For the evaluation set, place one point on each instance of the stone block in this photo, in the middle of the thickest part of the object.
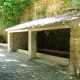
(75, 32)
(76, 48)
(75, 63)
(73, 54)
(73, 40)
(78, 40)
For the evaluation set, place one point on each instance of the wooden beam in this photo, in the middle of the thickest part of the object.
(22, 30)
(49, 28)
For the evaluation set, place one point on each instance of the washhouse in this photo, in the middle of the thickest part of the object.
(29, 38)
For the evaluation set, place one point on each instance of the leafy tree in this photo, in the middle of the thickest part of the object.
(2, 2)
(12, 10)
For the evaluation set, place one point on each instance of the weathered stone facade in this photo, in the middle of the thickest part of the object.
(17, 41)
(53, 7)
(20, 40)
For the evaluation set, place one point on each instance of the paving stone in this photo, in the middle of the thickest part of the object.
(15, 66)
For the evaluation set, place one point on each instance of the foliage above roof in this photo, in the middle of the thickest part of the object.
(12, 10)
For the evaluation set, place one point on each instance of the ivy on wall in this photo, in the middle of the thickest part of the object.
(12, 10)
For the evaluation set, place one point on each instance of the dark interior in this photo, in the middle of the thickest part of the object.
(54, 42)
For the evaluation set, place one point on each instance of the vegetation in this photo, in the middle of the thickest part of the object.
(12, 10)
(41, 10)
(69, 3)
(2, 38)
(29, 18)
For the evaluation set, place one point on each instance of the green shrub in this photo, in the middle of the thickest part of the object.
(2, 38)
(41, 10)
(12, 10)
(67, 3)
(29, 18)
(2, 2)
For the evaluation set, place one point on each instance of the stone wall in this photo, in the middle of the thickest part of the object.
(20, 40)
(75, 47)
(52, 8)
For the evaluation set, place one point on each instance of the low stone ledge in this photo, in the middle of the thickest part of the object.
(3, 45)
(23, 51)
(59, 60)
(48, 59)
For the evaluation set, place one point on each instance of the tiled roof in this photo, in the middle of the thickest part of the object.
(45, 21)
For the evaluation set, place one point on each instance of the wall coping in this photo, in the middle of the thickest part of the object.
(58, 60)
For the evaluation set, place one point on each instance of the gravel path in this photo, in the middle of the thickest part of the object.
(15, 66)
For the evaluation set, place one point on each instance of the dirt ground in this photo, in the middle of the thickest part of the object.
(15, 66)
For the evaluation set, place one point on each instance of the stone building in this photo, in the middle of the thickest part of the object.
(24, 36)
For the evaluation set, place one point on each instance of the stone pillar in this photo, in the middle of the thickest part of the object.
(32, 44)
(75, 49)
(10, 42)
